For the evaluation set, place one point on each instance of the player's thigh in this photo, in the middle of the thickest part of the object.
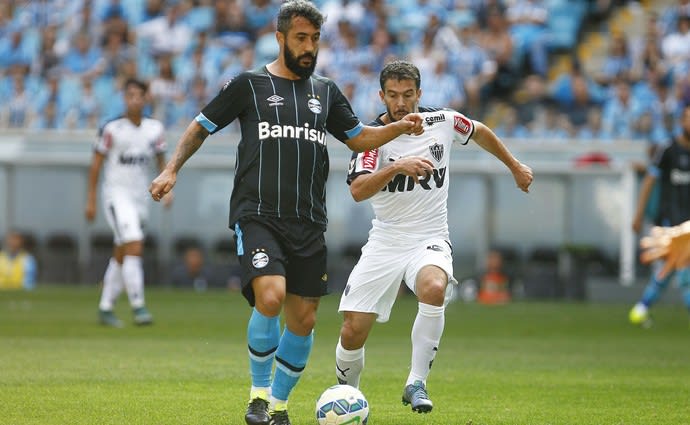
(373, 284)
(307, 276)
(259, 254)
(124, 218)
(434, 252)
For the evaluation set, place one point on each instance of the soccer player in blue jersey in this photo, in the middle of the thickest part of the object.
(671, 167)
(278, 201)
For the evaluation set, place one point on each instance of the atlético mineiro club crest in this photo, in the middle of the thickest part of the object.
(436, 151)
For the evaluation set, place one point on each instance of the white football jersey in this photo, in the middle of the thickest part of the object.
(130, 151)
(405, 210)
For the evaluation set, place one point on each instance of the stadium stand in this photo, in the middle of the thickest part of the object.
(561, 71)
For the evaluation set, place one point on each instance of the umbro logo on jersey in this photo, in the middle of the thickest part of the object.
(436, 151)
(275, 100)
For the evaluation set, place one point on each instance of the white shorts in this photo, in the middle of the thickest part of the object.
(125, 217)
(375, 280)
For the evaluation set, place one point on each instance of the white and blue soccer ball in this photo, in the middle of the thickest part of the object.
(342, 404)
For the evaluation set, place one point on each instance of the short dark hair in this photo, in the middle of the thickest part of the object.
(400, 70)
(136, 83)
(293, 8)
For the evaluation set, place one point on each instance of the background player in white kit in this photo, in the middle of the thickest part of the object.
(126, 147)
(407, 183)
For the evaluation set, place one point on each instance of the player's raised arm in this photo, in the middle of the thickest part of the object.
(192, 138)
(373, 137)
(488, 140)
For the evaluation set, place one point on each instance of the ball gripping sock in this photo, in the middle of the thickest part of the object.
(112, 285)
(426, 335)
(348, 365)
(263, 335)
(291, 359)
(654, 288)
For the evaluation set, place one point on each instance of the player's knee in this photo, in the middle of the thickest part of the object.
(432, 291)
(351, 337)
(269, 303)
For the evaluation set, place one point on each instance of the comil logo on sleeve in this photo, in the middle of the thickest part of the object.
(275, 100)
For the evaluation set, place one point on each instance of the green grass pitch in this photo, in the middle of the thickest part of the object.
(525, 363)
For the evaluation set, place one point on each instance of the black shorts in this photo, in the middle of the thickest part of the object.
(287, 247)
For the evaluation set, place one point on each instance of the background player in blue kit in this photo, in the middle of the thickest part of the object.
(407, 184)
(277, 206)
(671, 168)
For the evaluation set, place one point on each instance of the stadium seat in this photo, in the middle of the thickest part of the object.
(59, 261)
(541, 279)
(100, 251)
(153, 275)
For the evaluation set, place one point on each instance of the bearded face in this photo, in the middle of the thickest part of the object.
(303, 65)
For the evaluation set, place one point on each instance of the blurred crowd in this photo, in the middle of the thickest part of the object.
(62, 62)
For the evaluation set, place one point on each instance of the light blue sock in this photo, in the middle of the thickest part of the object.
(291, 358)
(263, 335)
(654, 289)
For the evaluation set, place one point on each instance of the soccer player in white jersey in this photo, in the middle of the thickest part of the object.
(125, 148)
(407, 183)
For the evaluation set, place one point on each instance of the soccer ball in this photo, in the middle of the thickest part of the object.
(342, 404)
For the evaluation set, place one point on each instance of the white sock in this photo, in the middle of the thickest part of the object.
(261, 392)
(133, 276)
(112, 285)
(348, 365)
(426, 335)
(276, 404)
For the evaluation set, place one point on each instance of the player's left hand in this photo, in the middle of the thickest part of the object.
(523, 177)
(413, 124)
(671, 244)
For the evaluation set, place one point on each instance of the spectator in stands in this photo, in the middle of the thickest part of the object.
(676, 48)
(259, 14)
(510, 125)
(19, 111)
(577, 110)
(192, 271)
(230, 25)
(498, 43)
(17, 266)
(443, 87)
(528, 20)
(88, 110)
(529, 100)
(168, 34)
(14, 50)
(473, 65)
(47, 57)
(83, 58)
(592, 131)
(671, 14)
(494, 282)
(166, 92)
(620, 112)
(618, 60)
(116, 51)
(52, 104)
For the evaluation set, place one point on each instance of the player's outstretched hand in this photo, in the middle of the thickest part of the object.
(523, 177)
(413, 124)
(414, 166)
(162, 184)
(671, 244)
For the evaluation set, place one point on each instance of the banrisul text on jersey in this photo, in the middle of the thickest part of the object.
(277, 131)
